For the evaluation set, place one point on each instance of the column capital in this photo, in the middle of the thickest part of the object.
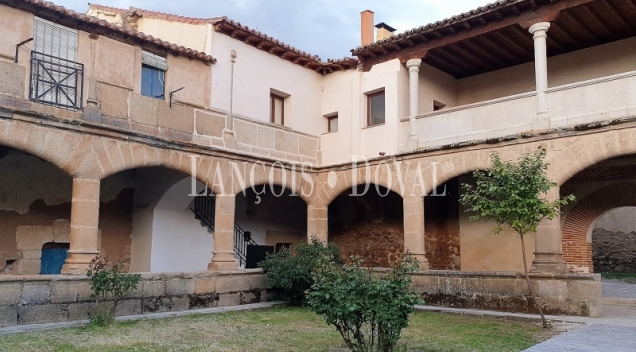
(413, 64)
(539, 29)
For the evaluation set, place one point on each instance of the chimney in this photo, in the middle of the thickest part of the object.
(366, 27)
(384, 30)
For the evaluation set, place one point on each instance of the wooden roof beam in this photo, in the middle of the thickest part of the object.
(525, 20)
(568, 34)
(582, 26)
(483, 53)
(494, 47)
(600, 21)
(456, 60)
(514, 44)
(470, 57)
(445, 66)
(619, 15)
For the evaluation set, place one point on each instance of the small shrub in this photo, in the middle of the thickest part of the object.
(369, 311)
(109, 283)
(289, 275)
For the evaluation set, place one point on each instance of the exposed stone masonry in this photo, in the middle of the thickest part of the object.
(614, 251)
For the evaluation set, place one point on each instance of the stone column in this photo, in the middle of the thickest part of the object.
(84, 244)
(414, 229)
(223, 258)
(414, 75)
(539, 31)
(317, 223)
(548, 254)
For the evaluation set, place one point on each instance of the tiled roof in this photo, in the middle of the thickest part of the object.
(153, 14)
(431, 27)
(71, 18)
(247, 35)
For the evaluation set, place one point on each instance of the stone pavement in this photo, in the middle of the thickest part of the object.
(592, 338)
(618, 289)
(614, 331)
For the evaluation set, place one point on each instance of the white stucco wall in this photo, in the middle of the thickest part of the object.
(180, 243)
(618, 220)
(256, 72)
(167, 238)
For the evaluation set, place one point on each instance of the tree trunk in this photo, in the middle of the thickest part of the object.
(525, 269)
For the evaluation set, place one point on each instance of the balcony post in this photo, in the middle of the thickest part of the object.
(539, 32)
(414, 73)
(548, 254)
(223, 255)
(84, 235)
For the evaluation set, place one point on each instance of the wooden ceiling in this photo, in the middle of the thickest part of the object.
(467, 48)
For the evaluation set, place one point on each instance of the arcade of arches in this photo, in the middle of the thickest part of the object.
(124, 199)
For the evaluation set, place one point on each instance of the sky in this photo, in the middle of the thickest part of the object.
(327, 28)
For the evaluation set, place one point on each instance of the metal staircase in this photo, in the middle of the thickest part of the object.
(203, 210)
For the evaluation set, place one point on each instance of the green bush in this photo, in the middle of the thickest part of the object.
(109, 283)
(368, 310)
(289, 275)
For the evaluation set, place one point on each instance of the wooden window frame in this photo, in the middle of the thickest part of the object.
(272, 98)
(369, 97)
(329, 118)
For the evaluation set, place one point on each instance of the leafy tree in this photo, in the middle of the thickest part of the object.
(512, 195)
(109, 283)
(289, 275)
(369, 311)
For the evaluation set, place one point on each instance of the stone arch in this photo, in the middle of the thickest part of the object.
(60, 148)
(584, 152)
(326, 193)
(579, 222)
(264, 181)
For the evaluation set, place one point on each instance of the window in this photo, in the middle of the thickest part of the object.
(332, 122)
(277, 109)
(153, 75)
(375, 108)
(56, 79)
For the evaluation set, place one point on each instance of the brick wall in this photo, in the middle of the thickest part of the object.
(577, 247)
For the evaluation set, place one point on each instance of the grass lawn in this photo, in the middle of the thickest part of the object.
(627, 277)
(278, 329)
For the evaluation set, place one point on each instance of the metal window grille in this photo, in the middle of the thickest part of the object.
(56, 79)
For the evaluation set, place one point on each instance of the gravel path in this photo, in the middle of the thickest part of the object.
(618, 289)
(588, 338)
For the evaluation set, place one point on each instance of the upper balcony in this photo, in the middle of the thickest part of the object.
(590, 86)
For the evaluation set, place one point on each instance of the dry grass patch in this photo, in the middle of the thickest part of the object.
(279, 329)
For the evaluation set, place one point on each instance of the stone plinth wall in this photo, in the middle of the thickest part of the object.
(559, 294)
(614, 251)
(45, 299)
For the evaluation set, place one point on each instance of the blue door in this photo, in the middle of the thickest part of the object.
(52, 260)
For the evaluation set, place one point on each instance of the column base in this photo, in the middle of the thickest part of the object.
(542, 121)
(77, 262)
(229, 139)
(411, 143)
(549, 263)
(322, 238)
(223, 261)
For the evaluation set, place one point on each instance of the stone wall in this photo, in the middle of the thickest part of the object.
(369, 226)
(45, 299)
(441, 223)
(613, 251)
(559, 294)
